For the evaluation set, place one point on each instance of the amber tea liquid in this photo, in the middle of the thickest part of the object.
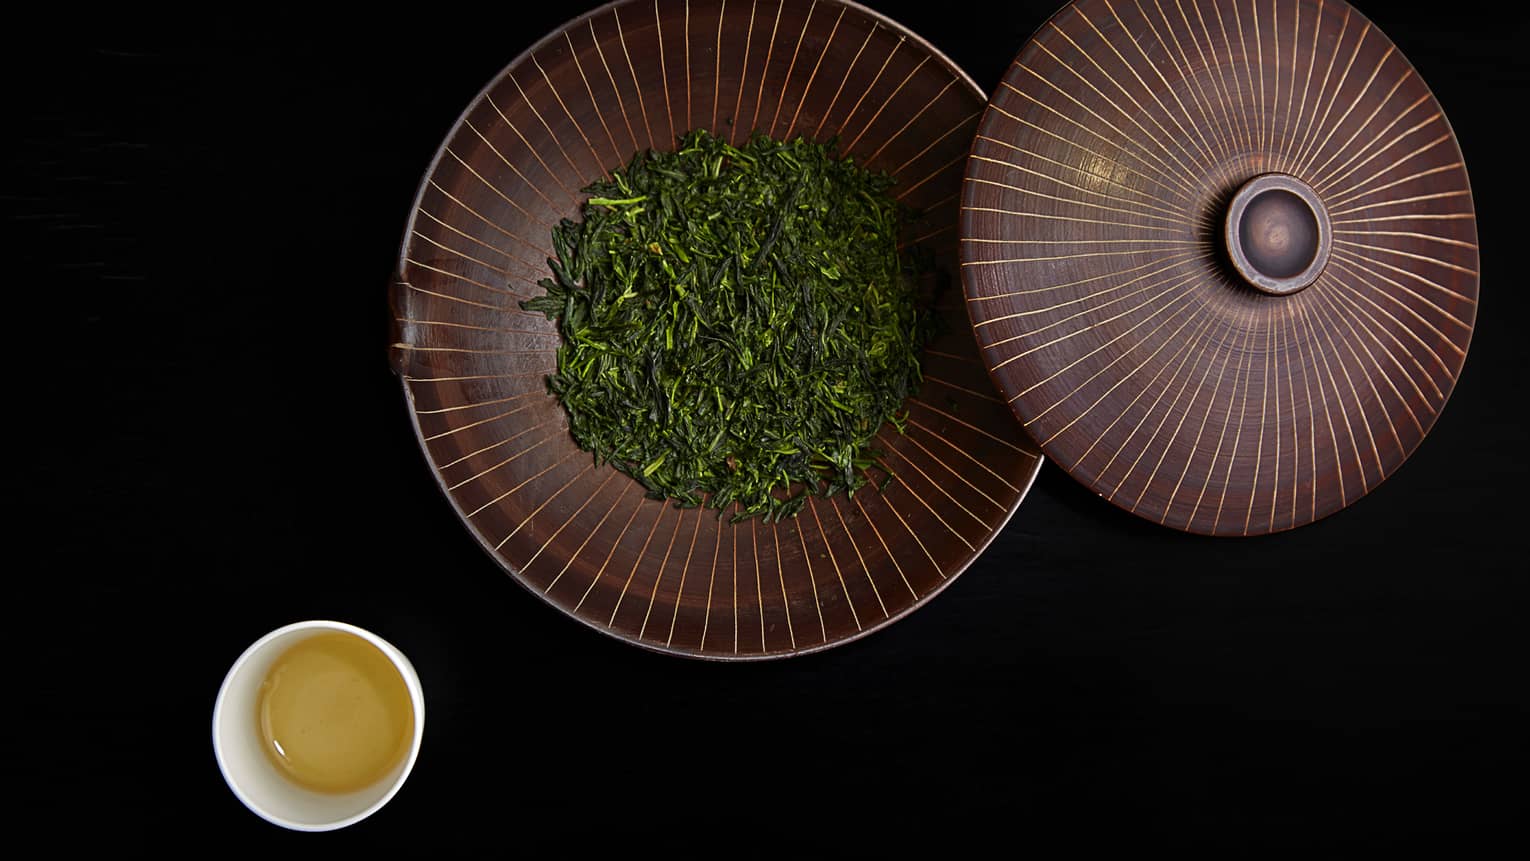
(334, 713)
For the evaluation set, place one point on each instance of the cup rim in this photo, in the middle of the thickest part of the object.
(416, 700)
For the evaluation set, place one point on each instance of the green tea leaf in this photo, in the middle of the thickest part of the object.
(737, 322)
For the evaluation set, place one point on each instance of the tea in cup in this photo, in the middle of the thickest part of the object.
(318, 724)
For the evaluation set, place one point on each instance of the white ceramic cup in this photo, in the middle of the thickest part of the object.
(250, 772)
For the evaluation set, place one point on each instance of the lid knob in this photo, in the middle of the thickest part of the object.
(1277, 234)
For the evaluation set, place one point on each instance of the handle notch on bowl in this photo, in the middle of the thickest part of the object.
(400, 332)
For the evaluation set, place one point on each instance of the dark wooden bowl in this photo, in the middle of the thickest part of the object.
(635, 75)
(1221, 256)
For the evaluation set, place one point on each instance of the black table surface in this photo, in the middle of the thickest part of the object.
(204, 213)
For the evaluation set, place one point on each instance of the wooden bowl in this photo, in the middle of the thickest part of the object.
(1221, 256)
(630, 76)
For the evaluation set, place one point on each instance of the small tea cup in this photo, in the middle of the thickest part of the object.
(249, 771)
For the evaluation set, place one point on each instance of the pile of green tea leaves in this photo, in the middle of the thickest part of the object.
(736, 322)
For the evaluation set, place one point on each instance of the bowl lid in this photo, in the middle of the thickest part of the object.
(1220, 256)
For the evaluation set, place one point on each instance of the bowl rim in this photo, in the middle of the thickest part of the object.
(907, 35)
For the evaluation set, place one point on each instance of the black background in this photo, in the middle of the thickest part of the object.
(201, 217)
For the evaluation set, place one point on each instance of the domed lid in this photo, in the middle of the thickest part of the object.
(1220, 256)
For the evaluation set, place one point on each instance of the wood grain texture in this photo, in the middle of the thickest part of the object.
(635, 75)
(1098, 286)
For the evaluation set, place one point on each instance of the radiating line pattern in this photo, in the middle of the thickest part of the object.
(577, 105)
(1106, 312)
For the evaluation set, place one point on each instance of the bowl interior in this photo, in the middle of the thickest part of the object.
(582, 101)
